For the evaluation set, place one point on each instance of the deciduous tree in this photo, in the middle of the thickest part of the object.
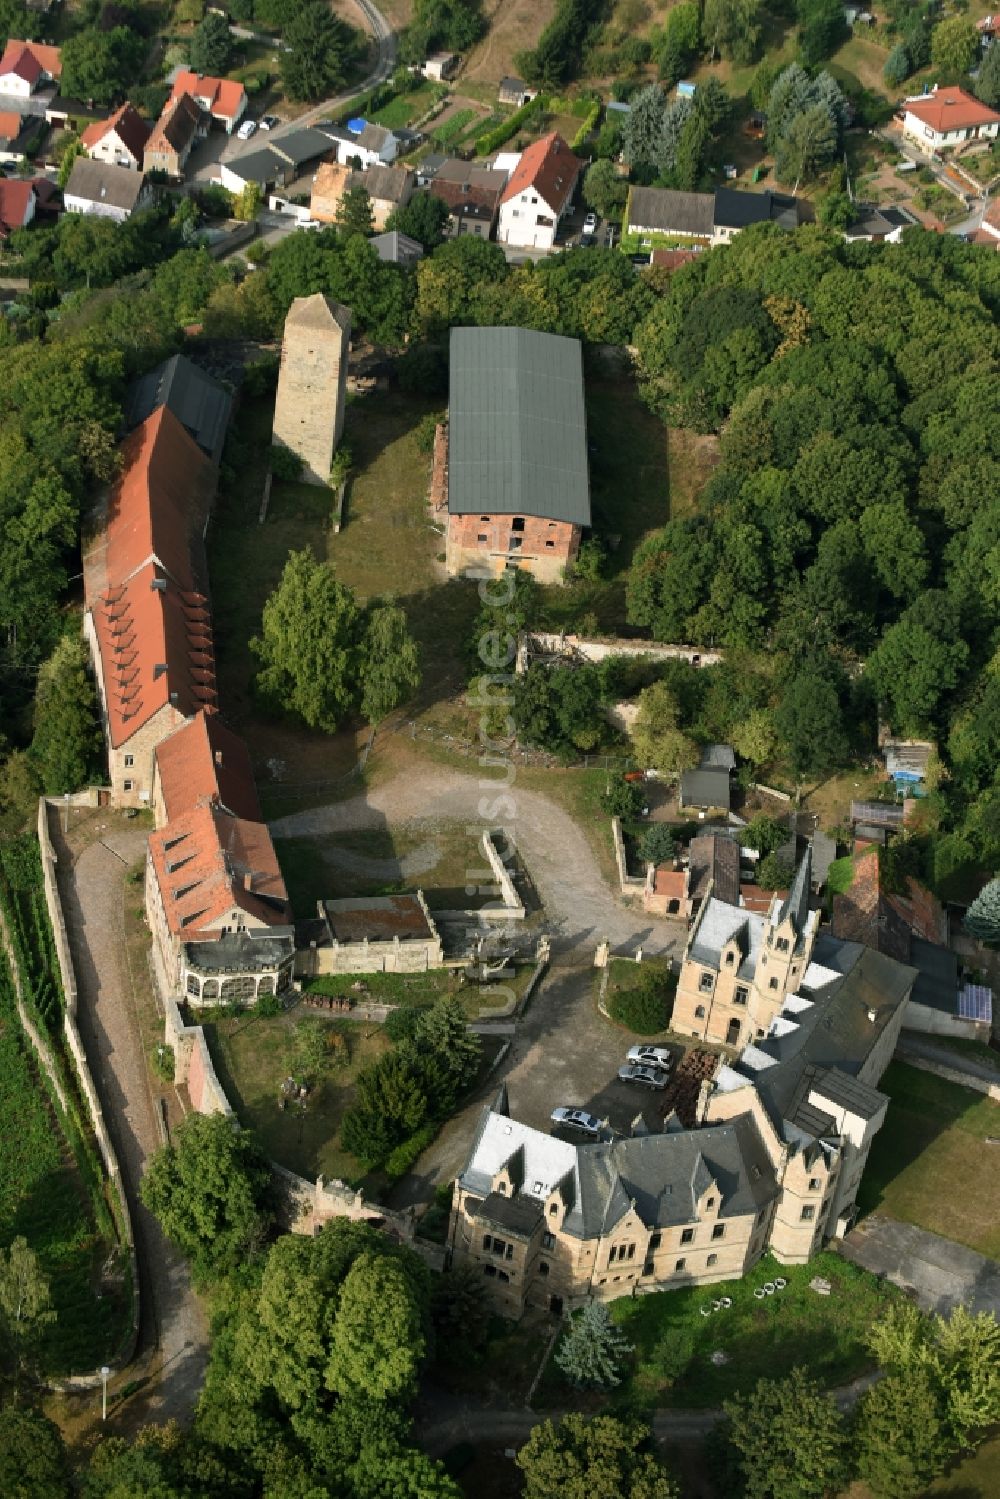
(901, 1440)
(211, 45)
(67, 740)
(309, 644)
(354, 211)
(789, 1439)
(33, 1461)
(378, 1338)
(660, 743)
(25, 1303)
(596, 1457)
(954, 44)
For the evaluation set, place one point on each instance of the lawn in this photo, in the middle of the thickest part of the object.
(930, 1155)
(254, 1055)
(840, 876)
(441, 858)
(44, 1198)
(673, 1342)
(409, 106)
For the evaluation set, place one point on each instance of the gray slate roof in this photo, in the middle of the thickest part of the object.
(197, 401)
(517, 425)
(98, 182)
(665, 210)
(396, 248)
(705, 788)
(715, 857)
(735, 209)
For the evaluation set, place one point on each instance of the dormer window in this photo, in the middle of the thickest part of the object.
(502, 1188)
(782, 944)
(553, 1209)
(730, 959)
(706, 982)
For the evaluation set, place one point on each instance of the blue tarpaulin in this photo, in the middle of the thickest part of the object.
(356, 126)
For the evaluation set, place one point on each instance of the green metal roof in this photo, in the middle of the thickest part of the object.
(517, 426)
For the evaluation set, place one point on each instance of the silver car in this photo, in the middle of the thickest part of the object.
(650, 1077)
(650, 1056)
(576, 1119)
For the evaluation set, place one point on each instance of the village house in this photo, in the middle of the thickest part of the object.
(180, 126)
(388, 188)
(440, 66)
(773, 1163)
(361, 144)
(735, 211)
(538, 194)
(27, 66)
(105, 191)
(328, 188)
(515, 92)
(19, 134)
(277, 163)
(653, 211)
(514, 468)
(223, 99)
(879, 225)
(119, 140)
(472, 195)
(147, 616)
(947, 117)
(17, 206)
(203, 761)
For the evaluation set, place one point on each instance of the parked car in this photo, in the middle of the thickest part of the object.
(590, 224)
(650, 1056)
(577, 1119)
(649, 1077)
(247, 129)
(268, 122)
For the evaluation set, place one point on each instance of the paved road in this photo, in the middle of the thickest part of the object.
(580, 907)
(941, 1273)
(173, 1343)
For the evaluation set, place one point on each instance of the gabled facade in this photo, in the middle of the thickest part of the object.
(28, 66)
(538, 194)
(119, 140)
(948, 117)
(181, 125)
(223, 99)
(105, 191)
(18, 201)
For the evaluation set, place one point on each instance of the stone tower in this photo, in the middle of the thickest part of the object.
(309, 410)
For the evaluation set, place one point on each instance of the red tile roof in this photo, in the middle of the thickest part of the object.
(208, 862)
(670, 882)
(133, 132)
(177, 124)
(29, 60)
(950, 109)
(548, 166)
(15, 198)
(10, 124)
(156, 508)
(224, 95)
(205, 761)
(863, 914)
(156, 651)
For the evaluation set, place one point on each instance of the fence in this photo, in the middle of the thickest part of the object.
(74, 1043)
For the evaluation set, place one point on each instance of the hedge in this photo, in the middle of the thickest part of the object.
(589, 124)
(492, 139)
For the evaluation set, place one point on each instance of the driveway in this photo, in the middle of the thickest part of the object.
(940, 1273)
(173, 1344)
(580, 907)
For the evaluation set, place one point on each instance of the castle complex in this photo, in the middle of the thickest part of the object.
(773, 1163)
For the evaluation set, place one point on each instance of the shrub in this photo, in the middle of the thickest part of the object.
(285, 464)
(589, 124)
(404, 1156)
(645, 1010)
(492, 140)
(623, 798)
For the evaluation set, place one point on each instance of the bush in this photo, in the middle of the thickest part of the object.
(404, 1156)
(589, 124)
(645, 1010)
(623, 798)
(285, 464)
(492, 140)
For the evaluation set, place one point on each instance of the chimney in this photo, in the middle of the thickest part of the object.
(173, 699)
(218, 758)
(159, 584)
(873, 1016)
(248, 880)
(158, 670)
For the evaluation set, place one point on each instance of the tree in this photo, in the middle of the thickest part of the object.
(309, 644)
(460, 1314)
(211, 45)
(446, 1051)
(810, 723)
(763, 833)
(99, 65)
(679, 42)
(378, 1338)
(900, 1438)
(383, 1471)
(390, 669)
(898, 66)
(732, 28)
(248, 203)
(423, 219)
(755, 738)
(74, 150)
(33, 1461)
(919, 660)
(643, 126)
(789, 1439)
(954, 44)
(982, 919)
(987, 84)
(596, 1457)
(604, 190)
(319, 47)
(659, 742)
(591, 1352)
(25, 1303)
(621, 798)
(822, 28)
(210, 1190)
(389, 1106)
(774, 873)
(558, 708)
(657, 845)
(966, 1359)
(354, 211)
(67, 740)
(808, 145)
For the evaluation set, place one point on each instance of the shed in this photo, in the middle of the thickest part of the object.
(705, 788)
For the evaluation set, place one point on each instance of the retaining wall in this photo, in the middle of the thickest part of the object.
(550, 644)
(631, 884)
(513, 906)
(74, 1043)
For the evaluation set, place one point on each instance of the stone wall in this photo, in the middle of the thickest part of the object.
(540, 643)
(513, 905)
(193, 1064)
(631, 884)
(74, 1044)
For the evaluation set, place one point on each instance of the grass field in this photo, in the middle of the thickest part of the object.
(254, 1055)
(409, 106)
(673, 1342)
(931, 1154)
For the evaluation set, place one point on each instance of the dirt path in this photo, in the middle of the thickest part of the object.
(173, 1344)
(580, 908)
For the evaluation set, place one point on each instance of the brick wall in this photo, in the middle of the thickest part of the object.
(483, 545)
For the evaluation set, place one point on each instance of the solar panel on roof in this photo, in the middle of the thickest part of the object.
(975, 1002)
